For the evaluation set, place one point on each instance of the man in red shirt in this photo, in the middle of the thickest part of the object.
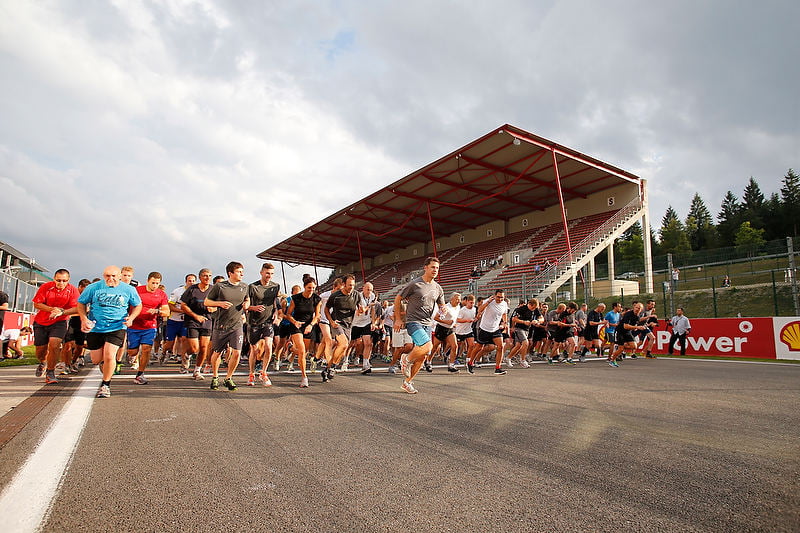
(55, 300)
(143, 331)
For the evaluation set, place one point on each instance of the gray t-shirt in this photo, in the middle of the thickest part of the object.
(225, 291)
(343, 307)
(422, 297)
(265, 295)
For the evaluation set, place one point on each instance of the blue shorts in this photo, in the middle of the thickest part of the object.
(140, 336)
(175, 328)
(421, 335)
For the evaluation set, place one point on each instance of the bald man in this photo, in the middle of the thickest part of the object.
(107, 307)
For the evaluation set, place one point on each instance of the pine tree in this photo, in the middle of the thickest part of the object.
(753, 204)
(749, 238)
(630, 247)
(673, 234)
(699, 226)
(790, 203)
(729, 219)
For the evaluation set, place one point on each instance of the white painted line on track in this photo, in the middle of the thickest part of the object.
(26, 501)
(743, 361)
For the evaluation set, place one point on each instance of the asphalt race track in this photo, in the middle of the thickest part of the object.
(656, 445)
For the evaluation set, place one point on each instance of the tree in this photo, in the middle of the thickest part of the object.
(630, 247)
(699, 226)
(749, 238)
(790, 202)
(753, 204)
(673, 234)
(729, 219)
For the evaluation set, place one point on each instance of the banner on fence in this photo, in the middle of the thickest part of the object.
(759, 337)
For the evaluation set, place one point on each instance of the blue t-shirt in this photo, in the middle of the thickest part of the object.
(108, 306)
(613, 318)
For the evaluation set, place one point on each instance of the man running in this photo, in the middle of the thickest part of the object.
(363, 325)
(521, 323)
(591, 333)
(340, 308)
(628, 326)
(422, 296)
(444, 335)
(175, 333)
(647, 338)
(106, 308)
(230, 298)
(492, 317)
(261, 319)
(143, 331)
(55, 300)
(198, 324)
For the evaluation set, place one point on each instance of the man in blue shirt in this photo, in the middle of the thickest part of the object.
(107, 308)
(612, 319)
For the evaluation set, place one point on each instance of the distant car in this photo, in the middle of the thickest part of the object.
(628, 275)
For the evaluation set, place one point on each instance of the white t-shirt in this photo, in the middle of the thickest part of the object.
(175, 298)
(388, 316)
(465, 328)
(360, 321)
(450, 315)
(492, 315)
(325, 295)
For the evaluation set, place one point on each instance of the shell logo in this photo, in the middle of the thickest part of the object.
(790, 336)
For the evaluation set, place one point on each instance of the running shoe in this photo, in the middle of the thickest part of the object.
(569, 361)
(405, 367)
(104, 391)
(39, 370)
(525, 364)
(470, 368)
(163, 358)
(509, 363)
(324, 374)
(230, 384)
(331, 373)
(50, 378)
(277, 364)
(118, 369)
(259, 366)
(500, 372)
(428, 367)
(74, 369)
(215, 383)
(314, 364)
(452, 369)
(392, 369)
(408, 387)
(634, 356)
(265, 380)
(304, 383)
(366, 370)
(291, 366)
(197, 376)
(251, 380)
(206, 369)
(613, 363)
(183, 370)
(344, 366)
(582, 358)
(140, 380)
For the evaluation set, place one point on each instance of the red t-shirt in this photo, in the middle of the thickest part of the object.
(150, 300)
(48, 294)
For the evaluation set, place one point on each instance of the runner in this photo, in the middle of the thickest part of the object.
(106, 308)
(363, 325)
(175, 333)
(143, 331)
(591, 333)
(422, 295)
(611, 321)
(325, 347)
(647, 338)
(564, 333)
(75, 339)
(341, 307)
(465, 333)
(284, 331)
(625, 335)
(444, 335)
(303, 315)
(126, 277)
(230, 298)
(196, 316)
(55, 301)
(261, 317)
(521, 323)
(492, 317)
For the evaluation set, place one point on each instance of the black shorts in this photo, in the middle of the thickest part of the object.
(442, 332)
(488, 337)
(377, 335)
(538, 334)
(460, 338)
(43, 334)
(194, 332)
(360, 331)
(95, 341)
(590, 334)
(315, 334)
(222, 339)
(562, 334)
(74, 332)
(624, 337)
(259, 331)
(285, 330)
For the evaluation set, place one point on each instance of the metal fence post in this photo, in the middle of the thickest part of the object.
(793, 276)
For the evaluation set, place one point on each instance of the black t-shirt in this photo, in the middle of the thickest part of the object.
(304, 307)
(593, 316)
(193, 297)
(343, 307)
(524, 313)
(265, 295)
(567, 318)
(628, 318)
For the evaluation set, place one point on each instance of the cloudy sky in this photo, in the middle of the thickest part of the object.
(178, 134)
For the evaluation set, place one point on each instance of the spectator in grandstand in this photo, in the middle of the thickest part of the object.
(726, 282)
(680, 328)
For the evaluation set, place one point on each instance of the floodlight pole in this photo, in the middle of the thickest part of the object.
(792, 276)
(671, 285)
(283, 273)
(433, 236)
(361, 257)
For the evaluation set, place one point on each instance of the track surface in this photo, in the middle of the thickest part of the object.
(656, 445)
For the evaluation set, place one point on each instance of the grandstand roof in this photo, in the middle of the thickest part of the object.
(505, 173)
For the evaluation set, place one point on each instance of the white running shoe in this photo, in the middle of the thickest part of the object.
(525, 364)
(408, 387)
(304, 383)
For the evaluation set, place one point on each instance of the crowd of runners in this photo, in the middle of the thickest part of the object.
(208, 324)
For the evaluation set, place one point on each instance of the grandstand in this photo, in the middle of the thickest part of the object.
(529, 214)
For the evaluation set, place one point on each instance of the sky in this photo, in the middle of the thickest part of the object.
(175, 135)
